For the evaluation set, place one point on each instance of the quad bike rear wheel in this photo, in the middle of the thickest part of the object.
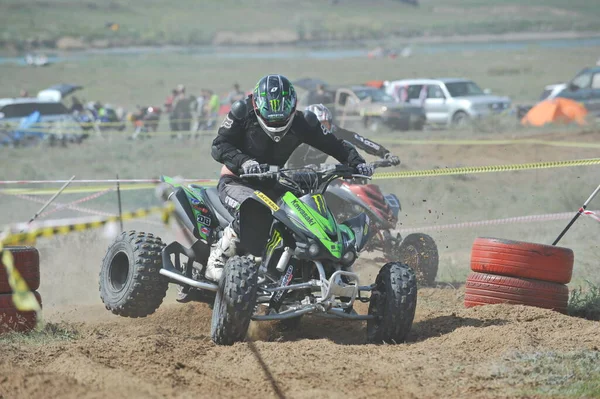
(393, 304)
(420, 253)
(130, 281)
(235, 301)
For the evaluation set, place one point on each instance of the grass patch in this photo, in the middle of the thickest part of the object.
(49, 332)
(554, 374)
(187, 22)
(585, 302)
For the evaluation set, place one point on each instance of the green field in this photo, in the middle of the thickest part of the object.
(147, 79)
(152, 22)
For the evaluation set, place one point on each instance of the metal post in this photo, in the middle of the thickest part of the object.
(579, 213)
(119, 199)
(51, 199)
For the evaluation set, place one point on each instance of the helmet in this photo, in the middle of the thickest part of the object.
(274, 101)
(323, 114)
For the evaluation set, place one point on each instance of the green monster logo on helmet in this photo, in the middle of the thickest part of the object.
(275, 105)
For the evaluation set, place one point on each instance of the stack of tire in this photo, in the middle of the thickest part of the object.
(27, 263)
(520, 273)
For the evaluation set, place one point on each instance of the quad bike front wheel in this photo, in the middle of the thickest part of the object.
(393, 304)
(235, 301)
(130, 281)
(420, 253)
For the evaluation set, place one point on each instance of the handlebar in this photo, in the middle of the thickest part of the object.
(306, 177)
(270, 171)
(381, 163)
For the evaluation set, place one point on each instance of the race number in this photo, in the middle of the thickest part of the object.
(227, 122)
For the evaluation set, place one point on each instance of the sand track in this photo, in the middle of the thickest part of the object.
(491, 351)
(452, 352)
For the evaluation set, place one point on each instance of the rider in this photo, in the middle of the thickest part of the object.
(265, 128)
(307, 155)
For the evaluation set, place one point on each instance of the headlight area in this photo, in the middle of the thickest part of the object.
(349, 257)
(349, 248)
(308, 249)
(311, 249)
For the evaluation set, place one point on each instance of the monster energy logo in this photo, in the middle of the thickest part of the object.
(274, 104)
(320, 203)
(300, 209)
(274, 242)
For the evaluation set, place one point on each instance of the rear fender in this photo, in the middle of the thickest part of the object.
(192, 210)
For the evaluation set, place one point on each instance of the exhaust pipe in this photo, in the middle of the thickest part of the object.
(186, 280)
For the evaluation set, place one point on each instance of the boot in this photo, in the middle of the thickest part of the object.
(224, 249)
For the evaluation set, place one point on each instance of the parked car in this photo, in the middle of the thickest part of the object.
(94, 115)
(448, 101)
(585, 88)
(370, 106)
(29, 120)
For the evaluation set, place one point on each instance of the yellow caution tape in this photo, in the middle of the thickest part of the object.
(50, 231)
(22, 297)
(384, 175)
(486, 169)
(76, 190)
(572, 144)
(89, 189)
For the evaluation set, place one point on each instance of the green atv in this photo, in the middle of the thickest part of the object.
(298, 261)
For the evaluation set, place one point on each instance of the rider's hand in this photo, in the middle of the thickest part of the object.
(364, 169)
(394, 160)
(251, 166)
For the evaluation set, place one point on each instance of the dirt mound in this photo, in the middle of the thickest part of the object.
(451, 352)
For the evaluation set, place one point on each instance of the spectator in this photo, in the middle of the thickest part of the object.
(76, 105)
(213, 104)
(236, 94)
(169, 101)
(180, 111)
(182, 115)
(400, 94)
(24, 93)
(200, 111)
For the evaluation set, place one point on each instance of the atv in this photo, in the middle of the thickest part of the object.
(298, 260)
(419, 251)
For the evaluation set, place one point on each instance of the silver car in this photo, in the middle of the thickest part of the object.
(448, 101)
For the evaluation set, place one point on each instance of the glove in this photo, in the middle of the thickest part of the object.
(364, 169)
(394, 160)
(251, 166)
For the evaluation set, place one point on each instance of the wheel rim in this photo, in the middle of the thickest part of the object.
(461, 120)
(119, 271)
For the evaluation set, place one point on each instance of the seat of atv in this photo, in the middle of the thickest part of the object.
(212, 196)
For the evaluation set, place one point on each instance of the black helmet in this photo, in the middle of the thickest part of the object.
(274, 100)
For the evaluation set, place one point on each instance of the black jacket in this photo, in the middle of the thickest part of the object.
(240, 138)
(306, 155)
